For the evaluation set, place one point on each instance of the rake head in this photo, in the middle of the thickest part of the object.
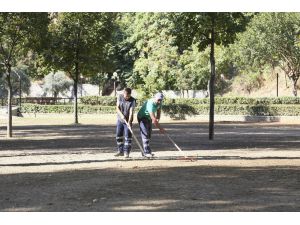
(188, 158)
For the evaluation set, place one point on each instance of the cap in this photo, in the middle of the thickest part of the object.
(159, 96)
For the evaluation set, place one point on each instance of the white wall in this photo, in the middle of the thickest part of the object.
(36, 90)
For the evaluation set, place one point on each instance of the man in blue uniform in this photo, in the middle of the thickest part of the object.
(146, 116)
(125, 111)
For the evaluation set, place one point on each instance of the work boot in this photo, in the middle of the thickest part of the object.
(119, 154)
(148, 155)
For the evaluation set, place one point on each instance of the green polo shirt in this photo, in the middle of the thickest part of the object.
(148, 106)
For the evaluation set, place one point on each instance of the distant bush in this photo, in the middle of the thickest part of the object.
(99, 100)
(180, 108)
(103, 100)
(36, 108)
(236, 100)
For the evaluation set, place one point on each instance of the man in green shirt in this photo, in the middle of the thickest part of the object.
(146, 116)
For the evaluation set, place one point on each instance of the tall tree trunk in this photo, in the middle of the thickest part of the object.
(212, 82)
(76, 77)
(294, 82)
(9, 103)
(76, 94)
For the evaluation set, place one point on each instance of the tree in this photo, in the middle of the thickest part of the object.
(20, 32)
(208, 29)
(271, 39)
(156, 64)
(79, 44)
(56, 83)
(20, 82)
(194, 69)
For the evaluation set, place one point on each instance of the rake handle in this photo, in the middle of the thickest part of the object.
(173, 142)
(136, 140)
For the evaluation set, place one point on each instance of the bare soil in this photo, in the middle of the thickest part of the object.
(63, 167)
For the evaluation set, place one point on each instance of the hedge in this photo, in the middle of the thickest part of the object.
(178, 111)
(111, 101)
(181, 110)
(35, 108)
(237, 100)
(99, 100)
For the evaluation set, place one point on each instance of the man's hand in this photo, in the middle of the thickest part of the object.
(162, 130)
(123, 117)
(155, 122)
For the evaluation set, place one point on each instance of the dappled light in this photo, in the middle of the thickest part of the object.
(196, 188)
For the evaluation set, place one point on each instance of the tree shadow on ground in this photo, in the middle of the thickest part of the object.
(200, 188)
(136, 159)
(189, 136)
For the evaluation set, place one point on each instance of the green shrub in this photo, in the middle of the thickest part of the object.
(103, 100)
(179, 111)
(35, 108)
(236, 100)
(258, 107)
(253, 110)
(99, 100)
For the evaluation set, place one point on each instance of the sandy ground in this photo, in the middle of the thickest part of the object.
(53, 165)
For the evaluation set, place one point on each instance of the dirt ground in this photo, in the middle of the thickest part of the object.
(52, 165)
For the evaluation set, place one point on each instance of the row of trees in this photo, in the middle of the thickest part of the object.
(149, 51)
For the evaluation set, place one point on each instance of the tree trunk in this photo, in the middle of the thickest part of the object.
(75, 94)
(212, 82)
(9, 103)
(294, 82)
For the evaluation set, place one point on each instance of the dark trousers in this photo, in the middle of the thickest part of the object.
(121, 129)
(146, 130)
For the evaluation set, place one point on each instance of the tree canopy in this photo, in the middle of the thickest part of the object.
(271, 39)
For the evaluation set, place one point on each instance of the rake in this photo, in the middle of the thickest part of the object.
(178, 148)
(136, 140)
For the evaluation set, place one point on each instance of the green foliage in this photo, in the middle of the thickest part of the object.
(180, 108)
(271, 39)
(235, 100)
(56, 83)
(99, 100)
(35, 108)
(122, 53)
(19, 72)
(80, 39)
(197, 27)
(105, 100)
(179, 111)
(19, 34)
(155, 68)
(195, 69)
(249, 82)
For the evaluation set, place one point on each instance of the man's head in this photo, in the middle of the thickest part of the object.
(127, 93)
(158, 97)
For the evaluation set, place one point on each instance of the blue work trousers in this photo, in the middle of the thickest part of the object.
(121, 129)
(146, 130)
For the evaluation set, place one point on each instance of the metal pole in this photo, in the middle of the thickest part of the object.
(20, 97)
(81, 79)
(115, 87)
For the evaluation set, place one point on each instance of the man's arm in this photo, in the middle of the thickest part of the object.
(158, 113)
(131, 112)
(156, 123)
